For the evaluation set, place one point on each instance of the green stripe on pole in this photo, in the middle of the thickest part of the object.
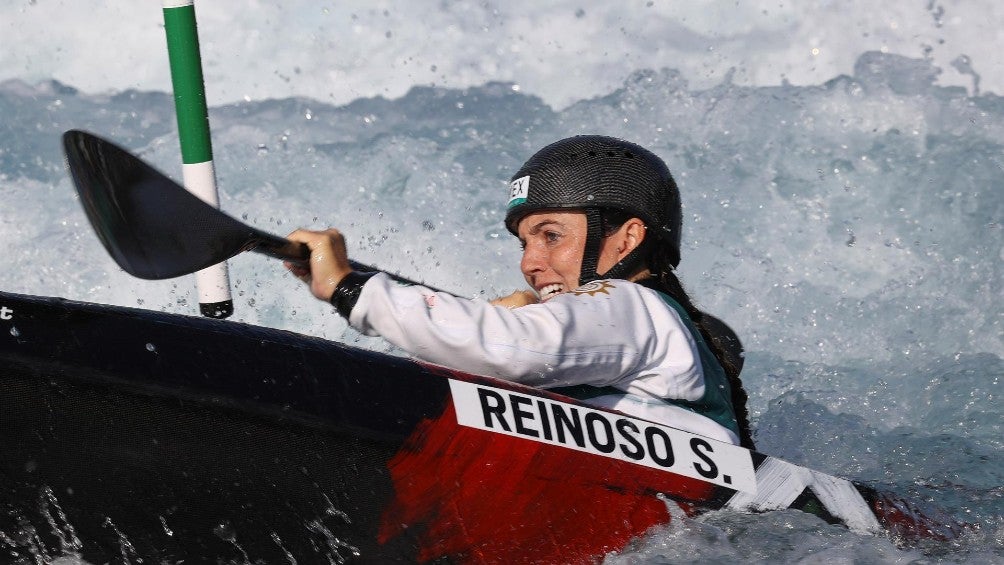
(189, 89)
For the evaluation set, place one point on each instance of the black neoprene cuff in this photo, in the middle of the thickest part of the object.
(348, 290)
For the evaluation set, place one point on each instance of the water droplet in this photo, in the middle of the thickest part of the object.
(167, 530)
(225, 531)
(151, 348)
(14, 331)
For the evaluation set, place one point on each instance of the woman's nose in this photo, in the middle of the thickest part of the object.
(532, 261)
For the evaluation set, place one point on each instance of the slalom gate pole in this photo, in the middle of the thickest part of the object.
(213, 282)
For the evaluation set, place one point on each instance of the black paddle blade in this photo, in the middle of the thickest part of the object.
(150, 225)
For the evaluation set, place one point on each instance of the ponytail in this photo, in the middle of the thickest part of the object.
(731, 363)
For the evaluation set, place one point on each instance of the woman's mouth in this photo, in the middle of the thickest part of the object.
(550, 291)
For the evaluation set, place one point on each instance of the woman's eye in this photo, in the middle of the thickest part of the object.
(552, 236)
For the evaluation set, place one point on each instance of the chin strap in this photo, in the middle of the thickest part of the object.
(594, 238)
(625, 267)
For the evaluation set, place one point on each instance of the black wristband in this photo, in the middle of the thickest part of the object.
(348, 290)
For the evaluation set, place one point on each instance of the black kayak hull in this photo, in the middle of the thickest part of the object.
(128, 434)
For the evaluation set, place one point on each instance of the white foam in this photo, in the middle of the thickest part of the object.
(337, 53)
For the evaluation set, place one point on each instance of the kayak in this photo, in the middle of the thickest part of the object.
(129, 434)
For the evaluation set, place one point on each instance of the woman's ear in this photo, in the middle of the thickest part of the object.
(633, 233)
(627, 238)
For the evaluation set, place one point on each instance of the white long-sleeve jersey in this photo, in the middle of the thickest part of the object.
(610, 333)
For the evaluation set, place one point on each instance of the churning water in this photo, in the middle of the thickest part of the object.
(850, 231)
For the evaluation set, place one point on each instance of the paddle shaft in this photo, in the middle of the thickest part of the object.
(299, 254)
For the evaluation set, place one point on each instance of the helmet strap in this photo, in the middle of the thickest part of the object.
(590, 258)
(626, 266)
(594, 238)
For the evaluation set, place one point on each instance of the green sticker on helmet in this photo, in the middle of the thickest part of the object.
(518, 191)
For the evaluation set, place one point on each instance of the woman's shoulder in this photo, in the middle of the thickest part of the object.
(605, 290)
(618, 295)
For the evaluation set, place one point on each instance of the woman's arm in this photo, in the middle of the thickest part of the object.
(568, 340)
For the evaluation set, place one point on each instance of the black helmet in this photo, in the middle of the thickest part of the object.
(596, 173)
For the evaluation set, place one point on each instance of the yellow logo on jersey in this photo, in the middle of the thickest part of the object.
(593, 288)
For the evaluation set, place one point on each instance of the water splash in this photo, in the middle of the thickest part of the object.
(69, 543)
(126, 549)
(278, 541)
(226, 532)
(849, 231)
(24, 538)
(338, 550)
(167, 530)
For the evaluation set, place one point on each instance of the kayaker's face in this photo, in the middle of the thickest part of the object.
(553, 245)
